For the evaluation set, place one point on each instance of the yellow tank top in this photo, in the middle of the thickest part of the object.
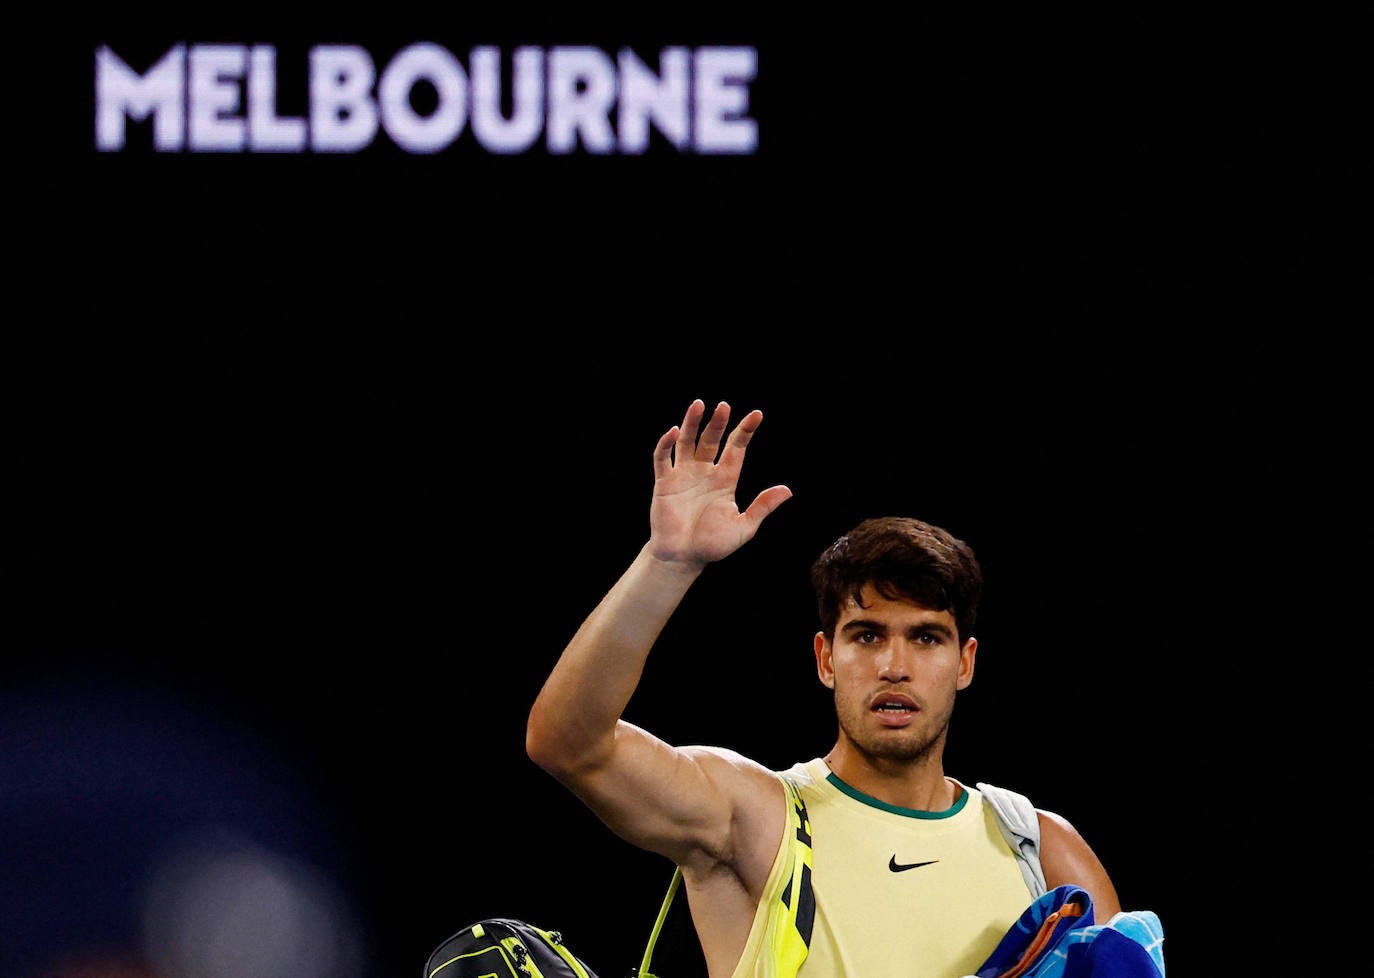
(887, 893)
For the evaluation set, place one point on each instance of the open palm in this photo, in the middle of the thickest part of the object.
(694, 517)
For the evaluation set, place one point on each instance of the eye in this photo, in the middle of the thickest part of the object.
(866, 637)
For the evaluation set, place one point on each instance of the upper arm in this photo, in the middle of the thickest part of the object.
(694, 805)
(1067, 859)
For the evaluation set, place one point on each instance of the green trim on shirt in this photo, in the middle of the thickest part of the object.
(872, 802)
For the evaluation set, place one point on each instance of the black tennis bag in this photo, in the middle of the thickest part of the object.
(502, 947)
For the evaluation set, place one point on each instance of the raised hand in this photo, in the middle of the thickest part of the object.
(694, 517)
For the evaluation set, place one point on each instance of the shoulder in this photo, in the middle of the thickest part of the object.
(1056, 830)
(1060, 841)
(1067, 859)
(729, 768)
(755, 793)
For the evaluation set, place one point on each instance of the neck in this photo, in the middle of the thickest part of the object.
(918, 784)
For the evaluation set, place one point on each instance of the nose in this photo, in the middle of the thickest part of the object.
(894, 665)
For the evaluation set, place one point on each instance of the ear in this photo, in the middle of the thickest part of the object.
(825, 660)
(966, 657)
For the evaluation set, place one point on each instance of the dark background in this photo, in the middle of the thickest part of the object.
(319, 462)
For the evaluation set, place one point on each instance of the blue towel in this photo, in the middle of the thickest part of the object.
(1056, 937)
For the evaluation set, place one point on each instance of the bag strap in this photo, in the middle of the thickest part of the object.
(643, 970)
(792, 941)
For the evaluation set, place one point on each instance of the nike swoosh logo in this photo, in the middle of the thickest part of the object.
(897, 867)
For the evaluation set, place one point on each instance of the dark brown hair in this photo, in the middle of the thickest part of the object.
(901, 557)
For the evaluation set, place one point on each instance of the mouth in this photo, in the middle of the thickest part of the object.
(894, 709)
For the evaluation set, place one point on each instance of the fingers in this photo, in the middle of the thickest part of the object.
(663, 452)
(733, 456)
(687, 431)
(709, 444)
(765, 503)
(690, 440)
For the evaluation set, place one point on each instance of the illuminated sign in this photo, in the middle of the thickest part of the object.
(222, 98)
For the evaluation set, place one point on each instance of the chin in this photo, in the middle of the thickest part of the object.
(896, 749)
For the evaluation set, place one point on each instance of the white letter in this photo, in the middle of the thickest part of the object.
(410, 130)
(643, 95)
(581, 92)
(119, 90)
(213, 93)
(267, 132)
(491, 128)
(721, 98)
(343, 117)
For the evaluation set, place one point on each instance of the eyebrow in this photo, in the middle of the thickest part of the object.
(869, 625)
(863, 624)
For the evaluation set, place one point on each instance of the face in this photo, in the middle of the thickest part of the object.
(894, 667)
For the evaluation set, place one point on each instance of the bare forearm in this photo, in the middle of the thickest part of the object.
(573, 720)
(694, 520)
